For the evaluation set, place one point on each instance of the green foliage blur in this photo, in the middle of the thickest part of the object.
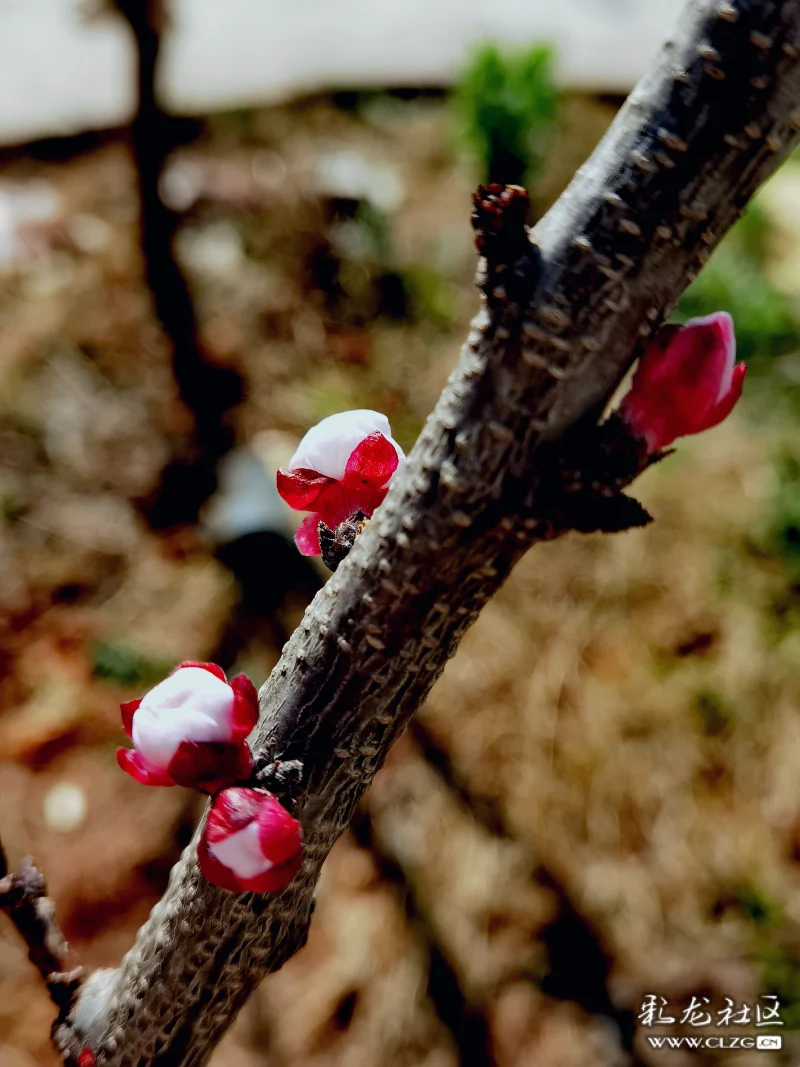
(507, 104)
(784, 528)
(735, 280)
(767, 323)
(126, 666)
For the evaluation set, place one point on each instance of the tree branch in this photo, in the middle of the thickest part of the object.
(558, 328)
(208, 390)
(23, 897)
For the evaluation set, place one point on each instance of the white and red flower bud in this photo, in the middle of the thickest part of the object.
(687, 381)
(250, 843)
(190, 729)
(343, 464)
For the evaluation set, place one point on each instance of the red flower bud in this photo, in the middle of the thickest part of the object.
(190, 729)
(250, 843)
(343, 464)
(86, 1058)
(687, 381)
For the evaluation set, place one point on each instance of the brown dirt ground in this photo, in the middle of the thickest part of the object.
(627, 707)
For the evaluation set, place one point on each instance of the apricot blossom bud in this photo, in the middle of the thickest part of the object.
(190, 729)
(250, 843)
(344, 464)
(687, 381)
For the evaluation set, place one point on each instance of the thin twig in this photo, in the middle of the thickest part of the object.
(23, 897)
(210, 391)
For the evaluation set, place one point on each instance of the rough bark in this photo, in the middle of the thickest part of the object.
(558, 328)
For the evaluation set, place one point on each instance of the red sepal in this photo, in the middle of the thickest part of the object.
(128, 709)
(86, 1058)
(131, 762)
(280, 834)
(245, 706)
(212, 668)
(210, 765)
(307, 536)
(301, 488)
(372, 462)
(232, 810)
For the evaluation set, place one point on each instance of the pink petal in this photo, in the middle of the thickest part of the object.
(373, 461)
(281, 835)
(131, 762)
(718, 333)
(727, 404)
(245, 706)
(653, 365)
(128, 710)
(702, 362)
(724, 324)
(211, 667)
(685, 382)
(307, 536)
(684, 367)
(210, 765)
(301, 488)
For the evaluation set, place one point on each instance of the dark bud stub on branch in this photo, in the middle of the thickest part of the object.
(586, 474)
(283, 778)
(499, 218)
(336, 544)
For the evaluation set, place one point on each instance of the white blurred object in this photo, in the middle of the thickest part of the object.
(249, 51)
(88, 1015)
(189, 178)
(216, 248)
(246, 500)
(62, 73)
(27, 214)
(349, 174)
(89, 233)
(65, 807)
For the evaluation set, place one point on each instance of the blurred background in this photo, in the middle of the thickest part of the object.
(220, 223)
